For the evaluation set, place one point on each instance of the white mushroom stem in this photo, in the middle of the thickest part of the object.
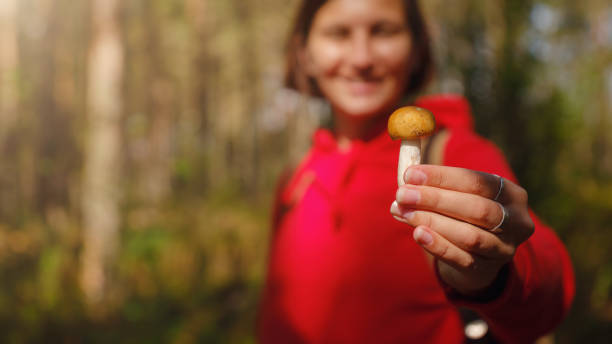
(410, 154)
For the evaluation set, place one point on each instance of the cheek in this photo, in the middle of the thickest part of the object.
(395, 55)
(324, 59)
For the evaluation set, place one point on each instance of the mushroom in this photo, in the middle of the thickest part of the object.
(409, 124)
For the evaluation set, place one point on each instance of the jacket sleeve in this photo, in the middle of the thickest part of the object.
(540, 283)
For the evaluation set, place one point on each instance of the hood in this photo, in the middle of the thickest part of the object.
(451, 111)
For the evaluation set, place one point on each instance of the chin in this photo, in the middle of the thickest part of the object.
(364, 108)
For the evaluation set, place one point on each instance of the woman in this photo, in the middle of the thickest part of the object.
(344, 270)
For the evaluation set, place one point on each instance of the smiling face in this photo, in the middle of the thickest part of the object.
(357, 51)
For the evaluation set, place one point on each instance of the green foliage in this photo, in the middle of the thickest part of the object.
(189, 274)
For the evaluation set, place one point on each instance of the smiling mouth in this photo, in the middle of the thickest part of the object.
(364, 87)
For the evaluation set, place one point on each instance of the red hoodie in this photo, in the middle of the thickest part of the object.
(342, 270)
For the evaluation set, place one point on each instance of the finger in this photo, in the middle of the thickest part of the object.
(464, 180)
(517, 225)
(444, 250)
(463, 235)
(466, 207)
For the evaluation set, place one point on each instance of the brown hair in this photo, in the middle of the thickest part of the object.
(420, 58)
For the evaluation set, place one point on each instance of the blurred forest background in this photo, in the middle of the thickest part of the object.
(140, 142)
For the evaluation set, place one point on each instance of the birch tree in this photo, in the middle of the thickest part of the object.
(100, 196)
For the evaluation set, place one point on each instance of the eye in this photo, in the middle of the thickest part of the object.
(337, 32)
(386, 29)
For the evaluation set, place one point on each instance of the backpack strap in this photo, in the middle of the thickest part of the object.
(433, 150)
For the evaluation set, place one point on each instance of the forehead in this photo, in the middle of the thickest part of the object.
(360, 11)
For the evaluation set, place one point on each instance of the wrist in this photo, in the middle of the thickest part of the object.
(482, 292)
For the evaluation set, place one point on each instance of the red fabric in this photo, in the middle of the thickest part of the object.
(342, 270)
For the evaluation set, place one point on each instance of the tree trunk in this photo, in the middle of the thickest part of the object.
(249, 87)
(197, 104)
(8, 66)
(100, 192)
(155, 173)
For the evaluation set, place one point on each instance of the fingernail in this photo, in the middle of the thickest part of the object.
(400, 219)
(400, 214)
(395, 209)
(407, 196)
(415, 177)
(422, 237)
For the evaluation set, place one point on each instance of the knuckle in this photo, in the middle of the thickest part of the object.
(473, 241)
(482, 213)
(529, 227)
(428, 220)
(468, 263)
(522, 196)
(523, 225)
(436, 177)
(443, 252)
(432, 199)
(509, 251)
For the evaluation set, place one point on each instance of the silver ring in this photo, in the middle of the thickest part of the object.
(497, 228)
(501, 187)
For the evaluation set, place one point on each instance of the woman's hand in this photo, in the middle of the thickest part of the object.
(472, 222)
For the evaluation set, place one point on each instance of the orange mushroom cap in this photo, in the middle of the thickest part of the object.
(410, 122)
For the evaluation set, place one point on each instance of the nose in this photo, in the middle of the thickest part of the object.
(361, 55)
